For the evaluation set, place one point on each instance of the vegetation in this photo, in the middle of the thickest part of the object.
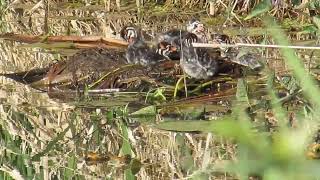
(258, 127)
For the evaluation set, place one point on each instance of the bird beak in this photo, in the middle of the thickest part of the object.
(170, 48)
(130, 40)
(162, 46)
(173, 48)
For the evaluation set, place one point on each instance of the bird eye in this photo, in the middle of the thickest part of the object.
(195, 24)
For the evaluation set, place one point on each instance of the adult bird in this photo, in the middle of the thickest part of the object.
(94, 68)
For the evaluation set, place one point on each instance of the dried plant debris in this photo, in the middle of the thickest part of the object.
(93, 158)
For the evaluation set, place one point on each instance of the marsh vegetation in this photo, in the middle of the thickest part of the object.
(233, 126)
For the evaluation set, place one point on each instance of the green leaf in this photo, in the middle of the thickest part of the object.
(126, 147)
(309, 29)
(192, 125)
(96, 135)
(159, 94)
(72, 164)
(200, 176)
(242, 91)
(262, 7)
(279, 112)
(296, 2)
(144, 115)
(186, 160)
(289, 83)
(316, 21)
(51, 145)
(311, 91)
(149, 110)
(179, 85)
(135, 166)
(185, 126)
(128, 175)
(312, 5)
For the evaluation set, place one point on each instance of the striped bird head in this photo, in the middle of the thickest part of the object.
(189, 39)
(168, 50)
(195, 26)
(130, 33)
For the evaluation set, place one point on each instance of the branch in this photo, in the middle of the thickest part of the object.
(75, 39)
(214, 45)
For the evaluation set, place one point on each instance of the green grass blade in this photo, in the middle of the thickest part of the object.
(311, 91)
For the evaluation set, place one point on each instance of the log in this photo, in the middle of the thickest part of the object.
(76, 39)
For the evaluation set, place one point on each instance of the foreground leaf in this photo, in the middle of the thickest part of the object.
(149, 110)
(51, 145)
(262, 7)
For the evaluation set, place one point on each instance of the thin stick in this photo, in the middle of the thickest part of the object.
(213, 45)
(206, 45)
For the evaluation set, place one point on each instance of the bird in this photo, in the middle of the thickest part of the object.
(218, 38)
(240, 56)
(138, 51)
(196, 62)
(167, 50)
(172, 38)
(196, 27)
(97, 68)
(231, 55)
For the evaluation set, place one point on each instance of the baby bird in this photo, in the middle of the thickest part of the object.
(240, 56)
(233, 55)
(196, 62)
(138, 51)
(196, 27)
(173, 37)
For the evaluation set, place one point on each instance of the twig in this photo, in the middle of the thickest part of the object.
(76, 39)
(212, 45)
(232, 13)
(206, 45)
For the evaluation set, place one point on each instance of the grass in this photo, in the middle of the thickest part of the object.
(43, 138)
